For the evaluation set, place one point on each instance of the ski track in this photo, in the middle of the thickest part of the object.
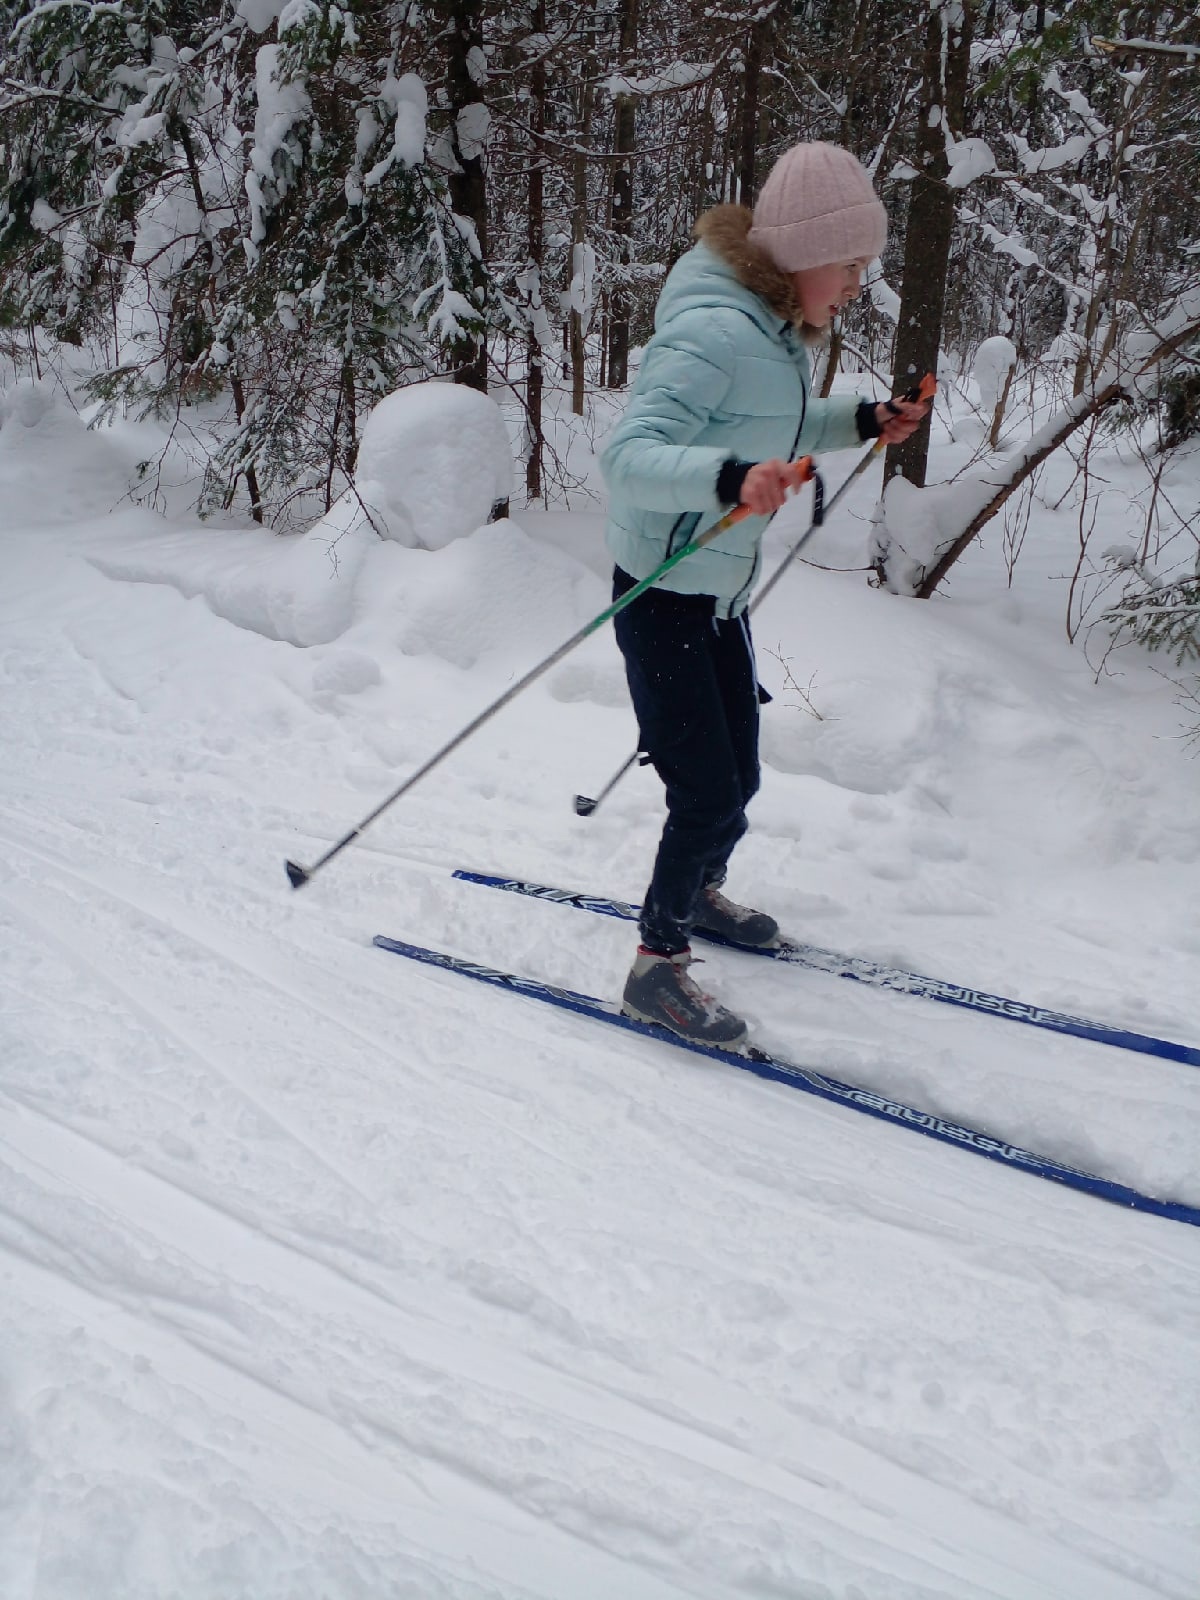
(864, 1455)
(103, 1264)
(370, 1286)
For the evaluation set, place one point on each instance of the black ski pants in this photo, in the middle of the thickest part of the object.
(695, 691)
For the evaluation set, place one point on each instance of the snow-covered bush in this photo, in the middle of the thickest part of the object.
(1160, 614)
(995, 362)
(433, 464)
(913, 527)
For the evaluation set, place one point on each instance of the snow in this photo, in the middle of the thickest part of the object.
(326, 1276)
(883, 297)
(298, 14)
(969, 159)
(258, 15)
(994, 360)
(407, 99)
(473, 123)
(580, 296)
(679, 75)
(43, 217)
(145, 130)
(913, 526)
(1052, 157)
(279, 107)
(433, 460)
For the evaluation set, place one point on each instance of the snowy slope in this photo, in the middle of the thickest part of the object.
(324, 1276)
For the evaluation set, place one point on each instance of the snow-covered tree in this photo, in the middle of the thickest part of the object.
(233, 202)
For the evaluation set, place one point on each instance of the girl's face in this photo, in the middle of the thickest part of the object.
(822, 291)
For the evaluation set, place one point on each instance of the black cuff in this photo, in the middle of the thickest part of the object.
(730, 480)
(866, 420)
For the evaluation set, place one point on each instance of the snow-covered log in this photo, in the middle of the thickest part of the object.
(920, 534)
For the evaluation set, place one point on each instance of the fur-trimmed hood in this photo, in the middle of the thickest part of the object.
(725, 230)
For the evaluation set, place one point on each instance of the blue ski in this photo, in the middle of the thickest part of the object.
(809, 1081)
(871, 972)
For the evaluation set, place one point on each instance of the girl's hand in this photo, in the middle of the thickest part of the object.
(767, 485)
(899, 418)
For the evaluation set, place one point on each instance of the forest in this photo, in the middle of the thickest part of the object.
(255, 219)
(365, 1233)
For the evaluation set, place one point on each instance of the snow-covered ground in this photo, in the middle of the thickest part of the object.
(324, 1276)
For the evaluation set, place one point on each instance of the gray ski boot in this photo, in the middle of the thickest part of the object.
(715, 914)
(658, 990)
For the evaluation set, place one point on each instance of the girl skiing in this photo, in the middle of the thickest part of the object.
(719, 411)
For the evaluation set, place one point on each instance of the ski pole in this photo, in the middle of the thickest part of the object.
(585, 806)
(298, 875)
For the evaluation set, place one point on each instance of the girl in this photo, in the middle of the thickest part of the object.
(720, 409)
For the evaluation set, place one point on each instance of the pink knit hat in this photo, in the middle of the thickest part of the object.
(817, 207)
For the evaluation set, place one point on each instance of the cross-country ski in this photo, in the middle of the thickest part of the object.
(809, 1081)
(874, 973)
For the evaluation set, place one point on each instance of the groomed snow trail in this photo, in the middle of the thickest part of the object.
(325, 1277)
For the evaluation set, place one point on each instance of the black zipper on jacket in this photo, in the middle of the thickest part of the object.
(695, 516)
(796, 445)
(803, 402)
(746, 587)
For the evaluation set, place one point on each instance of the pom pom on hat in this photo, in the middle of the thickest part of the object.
(817, 207)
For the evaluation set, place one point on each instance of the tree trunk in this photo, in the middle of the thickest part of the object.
(468, 185)
(833, 360)
(577, 350)
(239, 407)
(624, 142)
(747, 165)
(998, 414)
(537, 253)
(930, 223)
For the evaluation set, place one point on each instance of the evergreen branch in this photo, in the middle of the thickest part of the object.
(1189, 54)
(24, 93)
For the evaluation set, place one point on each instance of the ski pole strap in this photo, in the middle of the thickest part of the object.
(808, 472)
(818, 512)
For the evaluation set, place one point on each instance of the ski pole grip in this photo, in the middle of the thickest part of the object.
(807, 468)
(917, 395)
(925, 390)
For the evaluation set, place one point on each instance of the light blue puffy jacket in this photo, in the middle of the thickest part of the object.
(724, 376)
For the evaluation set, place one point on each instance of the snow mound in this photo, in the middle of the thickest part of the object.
(299, 590)
(433, 461)
(347, 672)
(871, 737)
(495, 591)
(912, 527)
(53, 468)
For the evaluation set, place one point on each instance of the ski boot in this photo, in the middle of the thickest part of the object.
(715, 914)
(658, 990)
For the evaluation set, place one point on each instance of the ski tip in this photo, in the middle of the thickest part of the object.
(583, 806)
(297, 875)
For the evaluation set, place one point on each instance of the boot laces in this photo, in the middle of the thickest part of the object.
(688, 985)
